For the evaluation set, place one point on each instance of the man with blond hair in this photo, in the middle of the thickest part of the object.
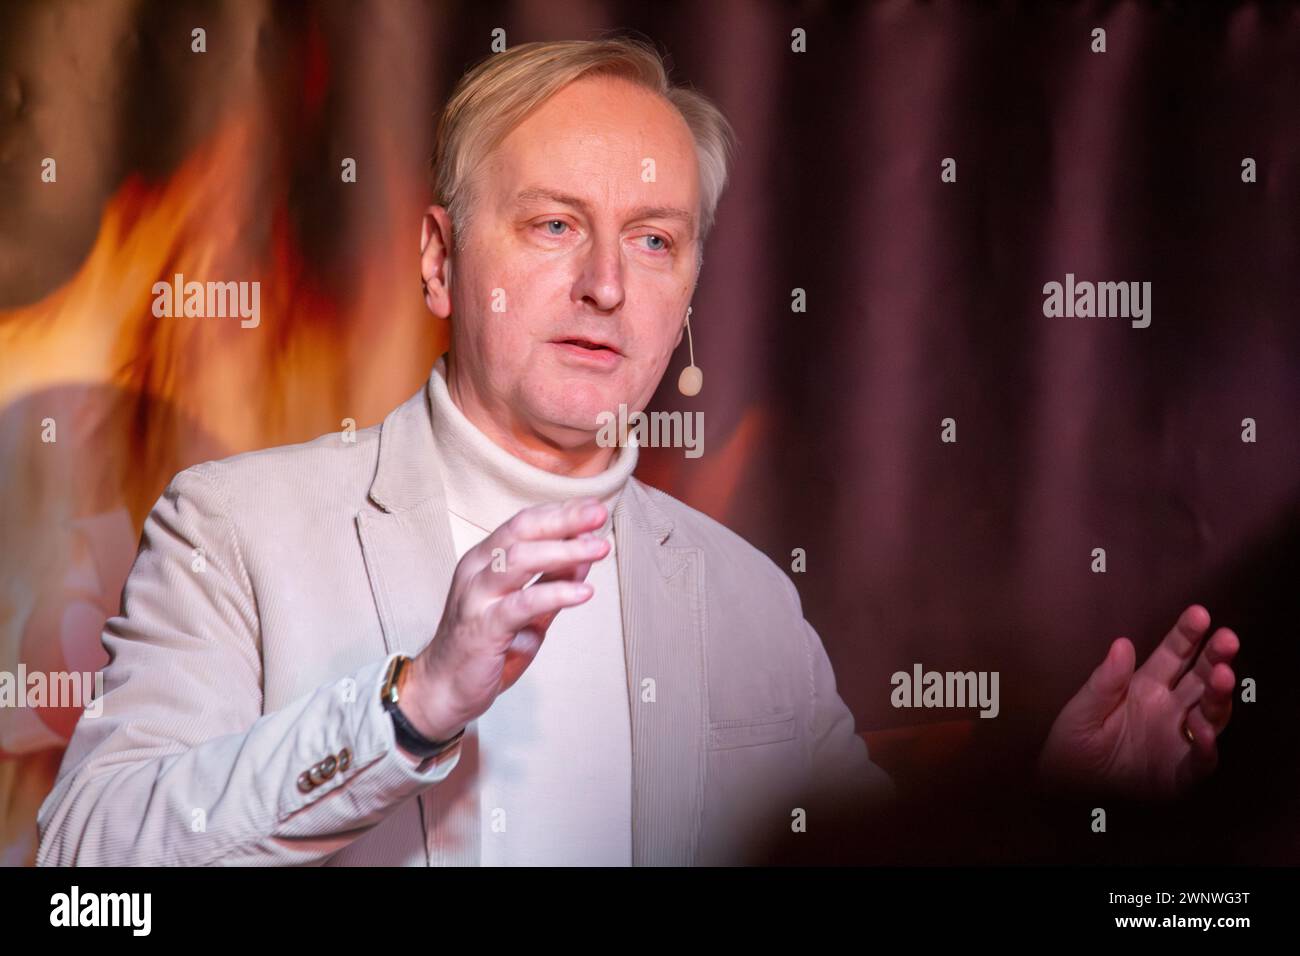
(357, 675)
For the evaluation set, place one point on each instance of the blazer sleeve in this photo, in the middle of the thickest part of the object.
(841, 767)
(181, 766)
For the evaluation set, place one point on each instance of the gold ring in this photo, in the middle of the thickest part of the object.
(1187, 732)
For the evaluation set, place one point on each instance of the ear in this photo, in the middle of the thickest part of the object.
(435, 261)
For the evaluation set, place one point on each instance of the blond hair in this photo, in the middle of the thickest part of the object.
(498, 93)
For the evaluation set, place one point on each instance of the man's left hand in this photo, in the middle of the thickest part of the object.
(1128, 732)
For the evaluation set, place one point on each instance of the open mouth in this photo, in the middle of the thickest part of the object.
(588, 344)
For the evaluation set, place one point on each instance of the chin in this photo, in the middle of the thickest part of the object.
(574, 406)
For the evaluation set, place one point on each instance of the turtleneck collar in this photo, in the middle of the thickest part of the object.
(486, 485)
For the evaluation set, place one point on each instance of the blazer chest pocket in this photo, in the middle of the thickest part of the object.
(751, 731)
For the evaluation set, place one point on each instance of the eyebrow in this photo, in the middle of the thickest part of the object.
(539, 194)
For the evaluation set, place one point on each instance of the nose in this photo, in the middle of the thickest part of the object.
(600, 279)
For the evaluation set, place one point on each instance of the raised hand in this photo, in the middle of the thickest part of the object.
(494, 621)
(1152, 733)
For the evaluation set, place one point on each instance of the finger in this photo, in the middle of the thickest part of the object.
(524, 560)
(526, 642)
(554, 521)
(519, 608)
(579, 571)
(574, 572)
(1175, 652)
(1205, 736)
(1221, 648)
(1216, 703)
(1202, 753)
(1108, 684)
(542, 623)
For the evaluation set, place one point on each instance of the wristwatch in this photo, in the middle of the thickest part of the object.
(410, 739)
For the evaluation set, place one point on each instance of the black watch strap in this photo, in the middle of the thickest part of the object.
(410, 739)
(414, 742)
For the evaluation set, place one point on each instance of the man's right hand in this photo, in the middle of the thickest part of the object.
(493, 625)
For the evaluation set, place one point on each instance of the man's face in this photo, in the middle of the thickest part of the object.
(579, 261)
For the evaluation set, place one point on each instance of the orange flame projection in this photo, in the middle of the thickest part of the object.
(103, 402)
(240, 387)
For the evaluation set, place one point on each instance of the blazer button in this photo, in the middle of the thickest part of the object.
(328, 767)
(345, 758)
(316, 776)
(304, 782)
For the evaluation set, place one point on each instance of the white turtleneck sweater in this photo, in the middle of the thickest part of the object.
(555, 749)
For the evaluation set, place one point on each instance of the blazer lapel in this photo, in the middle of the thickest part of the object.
(410, 557)
(661, 593)
(407, 544)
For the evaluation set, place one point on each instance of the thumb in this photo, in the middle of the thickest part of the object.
(1108, 683)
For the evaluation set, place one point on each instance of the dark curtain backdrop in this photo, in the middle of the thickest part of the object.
(924, 302)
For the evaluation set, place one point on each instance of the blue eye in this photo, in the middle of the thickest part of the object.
(553, 222)
(663, 244)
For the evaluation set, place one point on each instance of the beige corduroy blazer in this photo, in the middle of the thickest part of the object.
(241, 717)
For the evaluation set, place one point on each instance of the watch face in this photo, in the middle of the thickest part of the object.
(391, 690)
